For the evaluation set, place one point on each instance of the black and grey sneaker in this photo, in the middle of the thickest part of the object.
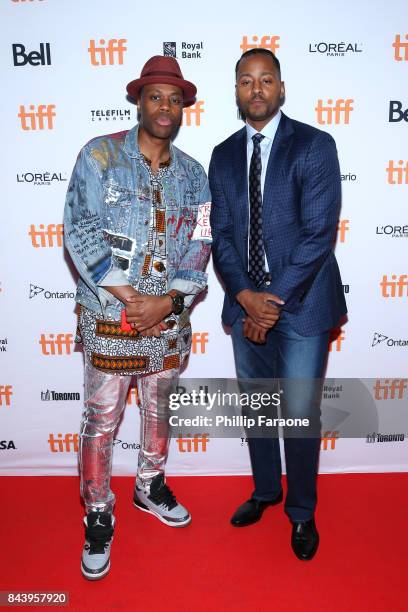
(159, 500)
(99, 528)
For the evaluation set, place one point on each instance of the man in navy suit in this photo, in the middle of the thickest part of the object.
(276, 195)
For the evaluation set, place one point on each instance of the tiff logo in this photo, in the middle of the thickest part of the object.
(34, 58)
(343, 227)
(34, 119)
(397, 174)
(390, 389)
(337, 336)
(199, 341)
(61, 345)
(328, 441)
(394, 288)
(6, 391)
(266, 42)
(193, 112)
(400, 49)
(65, 444)
(109, 53)
(335, 112)
(46, 236)
(188, 444)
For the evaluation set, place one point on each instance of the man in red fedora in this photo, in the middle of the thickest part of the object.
(130, 228)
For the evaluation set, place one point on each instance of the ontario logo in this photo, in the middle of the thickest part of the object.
(50, 295)
(387, 341)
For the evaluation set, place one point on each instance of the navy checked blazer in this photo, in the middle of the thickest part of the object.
(301, 205)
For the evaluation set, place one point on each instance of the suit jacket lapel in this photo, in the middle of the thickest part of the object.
(277, 157)
(240, 178)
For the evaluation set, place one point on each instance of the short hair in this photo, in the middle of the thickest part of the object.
(257, 51)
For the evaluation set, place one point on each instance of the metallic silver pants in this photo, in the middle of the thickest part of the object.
(105, 399)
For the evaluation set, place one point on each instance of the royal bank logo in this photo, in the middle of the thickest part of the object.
(50, 295)
(187, 49)
(111, 114)
(170, 49)
(41, 178)
(3, 345)
(335, 49)
(387, 341)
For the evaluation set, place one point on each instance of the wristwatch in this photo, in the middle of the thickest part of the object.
(178, 303)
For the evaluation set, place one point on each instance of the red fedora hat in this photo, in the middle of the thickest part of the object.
(160, 69)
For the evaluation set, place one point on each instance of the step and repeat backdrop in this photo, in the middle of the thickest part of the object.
(65, 66)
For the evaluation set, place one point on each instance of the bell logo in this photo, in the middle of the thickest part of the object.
(396, 287)
(266, 42)
(34, 119)
(198, 342)
(328, 441)
(390, 389)
(343, 227)
(46, 236)
(397, 172)
(6, 391)
(400, 49)
(61, 345)
(132, 396)
(34, 58)
(63, 443)
(337, 336)
(107, 52)
(193, 112)
(189, 445)
(335, 112)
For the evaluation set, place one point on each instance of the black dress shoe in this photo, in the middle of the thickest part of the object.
(305, 540)
(251, 511)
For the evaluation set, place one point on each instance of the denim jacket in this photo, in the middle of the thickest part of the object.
(106, 220)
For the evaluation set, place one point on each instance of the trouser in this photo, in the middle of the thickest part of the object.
(105, 399)
(286, 355)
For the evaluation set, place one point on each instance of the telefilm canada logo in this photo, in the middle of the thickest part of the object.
(50, 295)
(335, 49)
(379, 338)
(39, 179)
(186, 49)
(110, 114)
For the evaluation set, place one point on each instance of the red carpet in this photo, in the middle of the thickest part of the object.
(210, 565)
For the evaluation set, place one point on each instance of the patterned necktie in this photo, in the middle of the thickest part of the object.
(256, 268)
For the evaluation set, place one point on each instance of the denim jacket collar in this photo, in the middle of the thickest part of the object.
(131, 148)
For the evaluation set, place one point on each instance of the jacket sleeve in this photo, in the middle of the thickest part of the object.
(90, 253)
(319, 211)
(190, 277)
(225, 254)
